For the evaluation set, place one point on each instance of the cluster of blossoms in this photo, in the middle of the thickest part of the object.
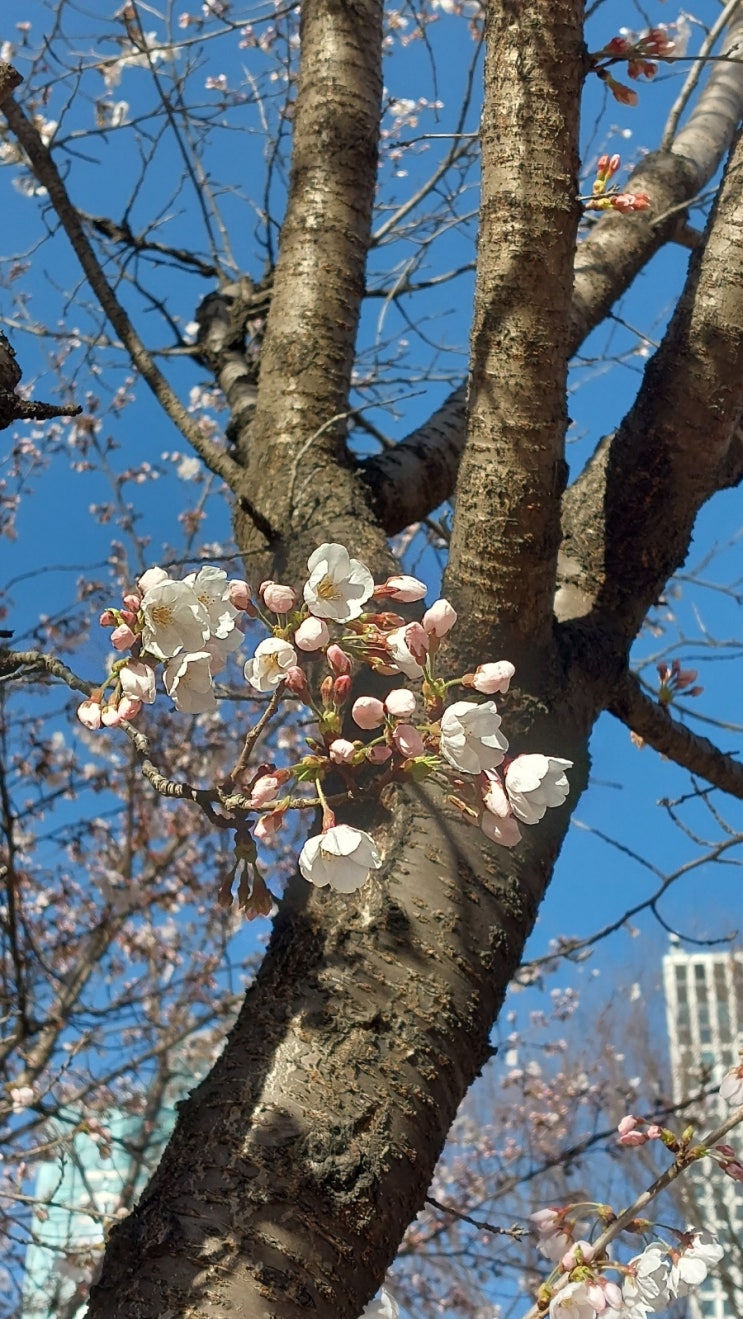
(607, 197)
(640, 52)
(190, 628)
(580, 1286)
(587, 1283)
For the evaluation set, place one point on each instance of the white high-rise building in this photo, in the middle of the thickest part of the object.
(704, 1011)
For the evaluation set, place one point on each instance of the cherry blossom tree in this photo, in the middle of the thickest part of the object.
(300, 1158)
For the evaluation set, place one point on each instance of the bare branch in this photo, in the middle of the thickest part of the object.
(42, 162)
(655, 725)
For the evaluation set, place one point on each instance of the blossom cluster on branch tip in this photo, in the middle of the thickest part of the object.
(635, 1131)
(587, 1282)
(674, 679)
(189, 628)
(640, 52)
(605, 196)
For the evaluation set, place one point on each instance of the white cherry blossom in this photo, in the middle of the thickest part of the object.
(645, 1287)
(534, 782)
(401, 644)
(219, 648)
(471, 739)
(268, 666)
(692, 1264)
(439, 618)
(572, 1302)
(138, 680)
(152, 577)
(174, 620)
(188, 682)
(384, 1306)
(342, 857)
(731, 1089)
(338, 586)
(211, 587)
(554, 1233)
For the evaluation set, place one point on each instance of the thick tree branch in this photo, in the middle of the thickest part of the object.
(224, 320)
(45, 169)
(14, 408)
(308, 350)
(512, 472)
(629, 521)
(656, 726)
(412, 479)
(10, 78)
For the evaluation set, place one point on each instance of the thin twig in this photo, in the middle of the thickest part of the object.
(47, 173)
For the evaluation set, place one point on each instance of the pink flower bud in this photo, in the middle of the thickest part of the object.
(490, 678)
(128, 616)
(312, 634)
(625, 95)
(326, 691)
(238, 593)
(618, 46)
(400, 703)
(296, 681)
(633, 1138)
(628, 1123)
(122, 637)
(402, 588)
(378, 755)
(367, 712)
(268, 825)
(342, 688)
(338, 660)
(264, 791)
(107, 618)
(417, 640)
(408, 740)
(628, 202)
(129, 707)
(387, 622)
(132, 602)
(341, 751)
(110, 716)
(495, 798)
(280, 599)
(580, 1252)
(89, 714)
(138, 681)
(439, 619)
